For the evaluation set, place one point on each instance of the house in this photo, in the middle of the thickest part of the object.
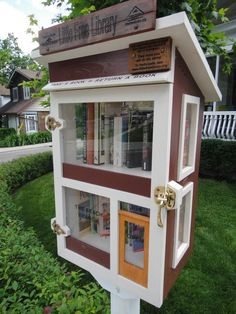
(4, 95)
(220, 117)
(23, 112)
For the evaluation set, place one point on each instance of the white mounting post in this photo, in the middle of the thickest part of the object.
(124, 306)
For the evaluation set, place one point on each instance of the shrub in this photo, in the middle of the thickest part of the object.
(218, 160)
(17, 172)
(6, 132)
(26, 139)
(32, 281)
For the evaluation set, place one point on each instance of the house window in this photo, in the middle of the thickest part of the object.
(226, 83)
(15, 96)
(30, 123)
(26, 91)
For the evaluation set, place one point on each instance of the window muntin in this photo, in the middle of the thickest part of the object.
(15, 96)
(26, 92)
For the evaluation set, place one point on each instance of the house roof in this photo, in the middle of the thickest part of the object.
(176, 26)
(4, 91)
(22, 106)
(28, 74)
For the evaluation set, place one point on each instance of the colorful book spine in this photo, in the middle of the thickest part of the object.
(135, 141)
(90, 133)
(99, 133)
(147, 143)
(117, 150)
(84, 115)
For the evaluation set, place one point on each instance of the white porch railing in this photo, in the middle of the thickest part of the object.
(219, 125)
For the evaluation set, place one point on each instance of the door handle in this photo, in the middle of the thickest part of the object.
(165, 198)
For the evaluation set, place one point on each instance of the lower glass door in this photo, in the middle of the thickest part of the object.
(133, 246)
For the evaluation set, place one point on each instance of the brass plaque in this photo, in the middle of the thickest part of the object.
(150, 56)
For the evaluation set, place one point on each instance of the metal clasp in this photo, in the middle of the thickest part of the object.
(52, 124)
(165, 198)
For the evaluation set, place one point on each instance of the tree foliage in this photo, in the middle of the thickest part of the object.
(11, 57)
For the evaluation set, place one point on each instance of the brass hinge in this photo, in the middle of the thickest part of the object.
(52, 124)
(165, 197)
(57, 229)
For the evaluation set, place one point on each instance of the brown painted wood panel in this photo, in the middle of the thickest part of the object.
(183, 84)
(88, 251)
(113, 180)
(123, 19)
(101, 65)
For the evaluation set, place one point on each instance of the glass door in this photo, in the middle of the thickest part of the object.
(134, 243)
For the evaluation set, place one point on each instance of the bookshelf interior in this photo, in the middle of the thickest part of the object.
(113, 136)
(88, 217)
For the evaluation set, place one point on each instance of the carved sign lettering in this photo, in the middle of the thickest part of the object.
(120, 20)
(150, 56)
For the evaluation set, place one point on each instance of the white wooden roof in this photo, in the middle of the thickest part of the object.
(176, 26)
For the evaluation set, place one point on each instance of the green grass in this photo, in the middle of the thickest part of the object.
(208, 282)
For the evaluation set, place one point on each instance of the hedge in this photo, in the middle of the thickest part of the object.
(218, 160)
(6, 132)
(26, 139)
(32, 281)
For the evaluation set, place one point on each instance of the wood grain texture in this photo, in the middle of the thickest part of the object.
(102, 65)
(127, 18)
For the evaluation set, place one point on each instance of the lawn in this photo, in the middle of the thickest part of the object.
(208, 282)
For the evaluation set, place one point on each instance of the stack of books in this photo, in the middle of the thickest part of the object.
(113, 136)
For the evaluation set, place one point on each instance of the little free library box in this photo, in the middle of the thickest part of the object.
(127, 95)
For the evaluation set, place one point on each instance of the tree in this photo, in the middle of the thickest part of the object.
(11, 57)
(202, 14)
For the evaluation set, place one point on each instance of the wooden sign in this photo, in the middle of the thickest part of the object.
(150, 56)
(120, 20)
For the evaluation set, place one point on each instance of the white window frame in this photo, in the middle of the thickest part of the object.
(15, 94)
(28, 119)
(26, 92)
(184, 171)
(179, 251)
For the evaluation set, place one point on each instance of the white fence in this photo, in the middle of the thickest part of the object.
(219, 125)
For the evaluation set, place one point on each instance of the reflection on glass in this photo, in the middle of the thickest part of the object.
(115, 134)
(182, 214)
(88, 216)
(186, 161)
(134, 244)
(135, 209)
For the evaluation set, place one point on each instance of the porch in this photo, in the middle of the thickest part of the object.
(219, 125)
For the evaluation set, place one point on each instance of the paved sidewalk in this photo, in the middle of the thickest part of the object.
(10, 153)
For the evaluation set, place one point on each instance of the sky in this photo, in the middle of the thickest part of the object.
(14, 19)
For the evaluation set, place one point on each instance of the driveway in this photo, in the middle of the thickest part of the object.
(10, 153)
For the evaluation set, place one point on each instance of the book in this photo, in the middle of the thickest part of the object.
(135, 141)
(117, 149)
(90, 133)
(99, 133)
(147, 142)
(84, 117)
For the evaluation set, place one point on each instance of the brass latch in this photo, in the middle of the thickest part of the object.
(165, 198)
(57, 229)
(52, 124)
